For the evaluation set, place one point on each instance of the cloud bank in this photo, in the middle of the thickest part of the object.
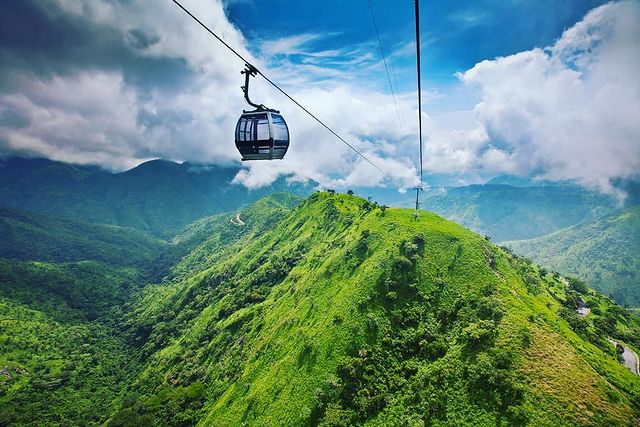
(569, 111)
(119, 82)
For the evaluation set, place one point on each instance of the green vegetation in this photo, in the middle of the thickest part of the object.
(158, 197)
(605, 253)
(66, 356)
(333, 311)
(29, 236)
(515, 212)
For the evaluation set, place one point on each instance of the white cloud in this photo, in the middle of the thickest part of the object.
(566, 111)
(295, 45)
(569, 111)
(95, 117)
(85, 118)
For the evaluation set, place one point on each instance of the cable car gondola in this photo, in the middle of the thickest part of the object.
(261, 134)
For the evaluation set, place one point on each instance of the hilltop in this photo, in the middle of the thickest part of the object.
(336, 311)
(341, 312)
(605, 253)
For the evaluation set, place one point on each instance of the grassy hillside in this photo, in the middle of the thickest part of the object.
(515, 212)
(203, 243)
(327, 312)
(343, 314)
(159, 197)
(605, 253)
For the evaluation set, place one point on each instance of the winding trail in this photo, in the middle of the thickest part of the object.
(630, 360)
(236, 220)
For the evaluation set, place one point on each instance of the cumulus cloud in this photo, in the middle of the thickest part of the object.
(113, 115)
(130, 81)
(569, 111)
(63, 121)
(137, 81)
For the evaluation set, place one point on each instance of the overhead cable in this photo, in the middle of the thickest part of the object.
(278, 87)
(386, 68)
(417, 14)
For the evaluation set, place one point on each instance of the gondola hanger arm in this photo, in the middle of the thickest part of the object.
(251, 71)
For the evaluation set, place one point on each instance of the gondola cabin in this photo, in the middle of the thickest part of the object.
(262, 135)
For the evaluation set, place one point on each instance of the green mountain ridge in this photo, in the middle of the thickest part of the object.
(605, 253)
(159, 197)
(329, 311)
(29, 236)
(515, 212)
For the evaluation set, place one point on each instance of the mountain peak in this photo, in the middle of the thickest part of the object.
(343, 310)
(156, 165)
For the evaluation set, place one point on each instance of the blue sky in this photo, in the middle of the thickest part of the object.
(455, 35)
(543, 89)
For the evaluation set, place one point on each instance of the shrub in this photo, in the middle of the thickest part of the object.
(480, 333)
(402, 264)
(525, 337)
(577, 285)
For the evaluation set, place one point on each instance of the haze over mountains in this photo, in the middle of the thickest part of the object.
(507, 212)
(604, 252)
(158, 196)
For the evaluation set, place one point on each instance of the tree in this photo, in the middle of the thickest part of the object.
(479, 333)
(577, 285)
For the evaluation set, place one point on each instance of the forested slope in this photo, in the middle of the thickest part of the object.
(29, 236)
(605, 253)
(159, 197)
(344, 314)
(333, 311)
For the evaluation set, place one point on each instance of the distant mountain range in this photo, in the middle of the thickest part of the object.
(161, 198)
(514, 208)
(605, 253)
(158, 196)
(508, 212)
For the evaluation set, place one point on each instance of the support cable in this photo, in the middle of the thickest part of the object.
(279, 89)
(386, 67)
(417, 13)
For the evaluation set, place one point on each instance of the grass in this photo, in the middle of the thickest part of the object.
(331, 311)
(281, 312)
